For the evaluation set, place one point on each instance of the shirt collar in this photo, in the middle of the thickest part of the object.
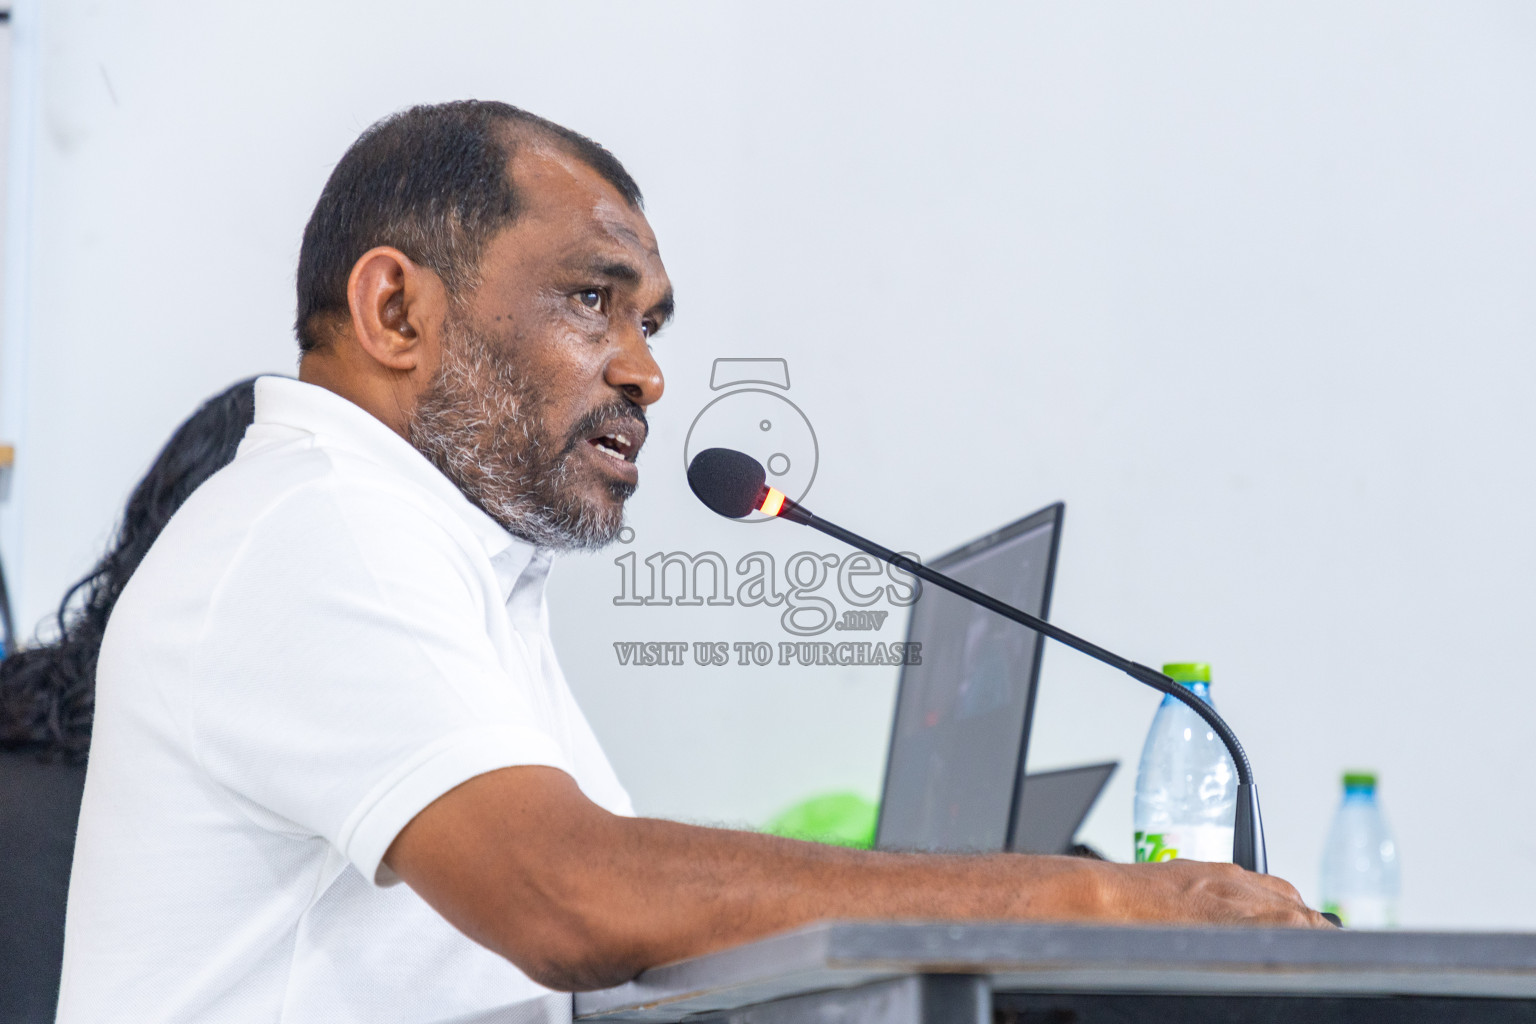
(339, 422)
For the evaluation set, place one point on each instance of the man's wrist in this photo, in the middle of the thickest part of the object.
(1066, 889)
(1095, 888)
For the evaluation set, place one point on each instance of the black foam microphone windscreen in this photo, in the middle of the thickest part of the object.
(728, 481)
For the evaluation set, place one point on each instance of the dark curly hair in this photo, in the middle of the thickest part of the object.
(47, 691)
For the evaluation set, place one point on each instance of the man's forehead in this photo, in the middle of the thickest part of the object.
(557, 190)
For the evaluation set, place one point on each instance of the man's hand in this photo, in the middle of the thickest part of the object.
(523, 863)
(1192, 892)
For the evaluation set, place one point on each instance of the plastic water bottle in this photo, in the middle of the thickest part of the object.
(1360, 871)
(1186, 789)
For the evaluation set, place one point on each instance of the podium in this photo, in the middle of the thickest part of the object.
(924, 973)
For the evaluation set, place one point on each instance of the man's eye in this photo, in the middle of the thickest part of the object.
(647, 328)
(592, 298)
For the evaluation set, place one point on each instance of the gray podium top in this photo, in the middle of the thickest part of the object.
(1079, 958)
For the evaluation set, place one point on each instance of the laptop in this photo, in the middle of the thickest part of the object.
(1052, 806)
(954, 776)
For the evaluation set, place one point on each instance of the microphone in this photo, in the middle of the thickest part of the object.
(734, 484)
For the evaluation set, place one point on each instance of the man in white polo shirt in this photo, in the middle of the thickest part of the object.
(332, 673)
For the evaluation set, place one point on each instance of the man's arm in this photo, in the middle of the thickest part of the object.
(523, 863)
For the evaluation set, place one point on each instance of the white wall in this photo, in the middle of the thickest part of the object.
(1250, 286)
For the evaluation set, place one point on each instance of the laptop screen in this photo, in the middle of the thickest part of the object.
(962, 715)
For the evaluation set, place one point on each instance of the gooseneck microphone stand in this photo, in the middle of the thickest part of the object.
(1247, 839)
(723, 479)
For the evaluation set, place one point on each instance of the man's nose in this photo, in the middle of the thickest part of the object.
(634, 371)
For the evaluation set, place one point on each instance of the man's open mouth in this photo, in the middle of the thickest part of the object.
(621, 443)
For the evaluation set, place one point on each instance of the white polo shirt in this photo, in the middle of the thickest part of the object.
(326, 638)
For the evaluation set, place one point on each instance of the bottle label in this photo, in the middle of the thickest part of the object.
(1192, 842)
(1364, 911)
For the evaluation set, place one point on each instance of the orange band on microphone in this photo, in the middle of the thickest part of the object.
(773, 502)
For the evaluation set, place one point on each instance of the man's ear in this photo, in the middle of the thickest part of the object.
(396, 308)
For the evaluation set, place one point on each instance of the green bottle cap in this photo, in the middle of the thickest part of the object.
(1188, 672)
(1359, 780)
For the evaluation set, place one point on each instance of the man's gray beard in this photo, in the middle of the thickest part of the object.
(480, 422)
